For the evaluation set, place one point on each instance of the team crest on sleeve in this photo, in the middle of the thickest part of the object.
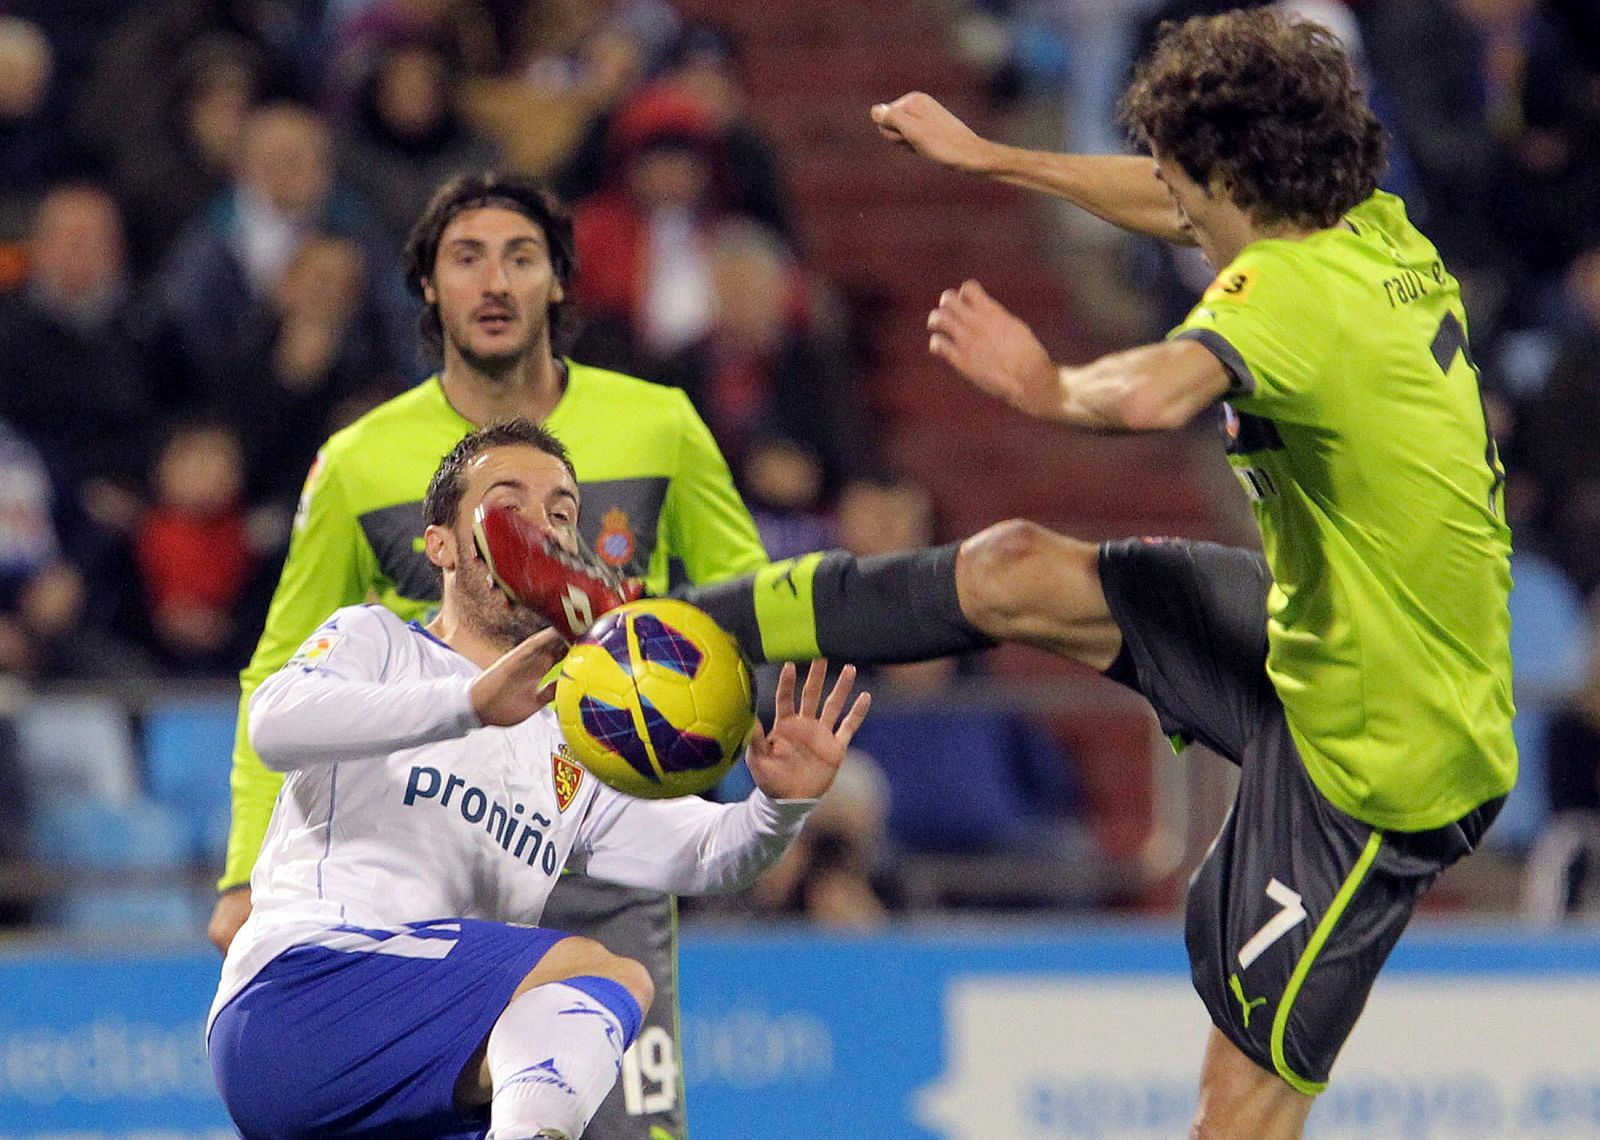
(617, 542)
(568, 776)
(1230, 285)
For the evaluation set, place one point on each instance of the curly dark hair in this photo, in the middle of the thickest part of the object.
(513, 192)
(449, 483)
(1269, 106)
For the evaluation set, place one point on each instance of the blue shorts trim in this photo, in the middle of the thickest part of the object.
(368, 1040)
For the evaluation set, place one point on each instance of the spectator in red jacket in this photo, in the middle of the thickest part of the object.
(194, 551)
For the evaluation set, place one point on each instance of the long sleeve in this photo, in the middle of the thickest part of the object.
(705, 523)
(686, 846)
(327, 567)
(330, 704)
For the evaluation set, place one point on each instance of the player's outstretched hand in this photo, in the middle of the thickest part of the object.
(568, 588)
(921, 123)
(799, 758)
(513, 689)
(980, 338)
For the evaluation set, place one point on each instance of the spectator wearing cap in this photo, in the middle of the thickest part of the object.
(705, 64)
(644, 265)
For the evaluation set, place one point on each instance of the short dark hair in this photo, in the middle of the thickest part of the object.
(514, 192)
(445, 490)
(1269, 105)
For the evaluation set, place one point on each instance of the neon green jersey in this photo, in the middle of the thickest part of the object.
(1357, 429)
(658, 501)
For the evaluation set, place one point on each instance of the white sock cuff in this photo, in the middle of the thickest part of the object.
(553, 1056)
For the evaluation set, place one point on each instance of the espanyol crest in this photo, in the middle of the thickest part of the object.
(616, 543)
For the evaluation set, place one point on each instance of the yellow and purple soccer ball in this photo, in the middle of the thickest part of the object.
(656, 699)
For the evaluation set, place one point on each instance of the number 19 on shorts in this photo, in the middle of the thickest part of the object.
(650, 1073)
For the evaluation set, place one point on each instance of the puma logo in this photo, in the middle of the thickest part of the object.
(787, 579)
(1245, 1003)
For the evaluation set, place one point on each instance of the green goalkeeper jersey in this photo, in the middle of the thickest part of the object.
(658, 502)
(1356, 426)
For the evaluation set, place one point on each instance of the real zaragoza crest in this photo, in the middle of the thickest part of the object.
(568, 776)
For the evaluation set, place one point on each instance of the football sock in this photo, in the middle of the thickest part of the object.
(555, 1053)
(880, 610)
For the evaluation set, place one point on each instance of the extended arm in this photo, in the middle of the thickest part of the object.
(1122, 189)
(339, 708)
(325, 570)
(1152, 388)
(301, 719)
(687, 846)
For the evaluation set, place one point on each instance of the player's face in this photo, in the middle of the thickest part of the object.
(538, 486)
(1206, 215)
(494, 285)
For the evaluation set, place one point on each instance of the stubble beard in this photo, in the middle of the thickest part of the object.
(482, 606)
(498, 366)
(502, 364)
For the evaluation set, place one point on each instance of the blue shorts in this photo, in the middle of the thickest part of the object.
(369, 1042)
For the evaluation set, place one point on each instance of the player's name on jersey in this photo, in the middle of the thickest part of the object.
(476, 806)
(1408, 285)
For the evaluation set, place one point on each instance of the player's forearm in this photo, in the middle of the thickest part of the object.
(1156, 387)
(691, 847)
(301, 719)
(1097, 397)
(1122, 189)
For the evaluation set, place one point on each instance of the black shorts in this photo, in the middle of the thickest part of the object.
(1297, 904)
(646, 1103)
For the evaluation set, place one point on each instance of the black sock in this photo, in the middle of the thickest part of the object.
(868, 611)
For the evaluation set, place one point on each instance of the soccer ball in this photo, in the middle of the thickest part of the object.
(656, 699)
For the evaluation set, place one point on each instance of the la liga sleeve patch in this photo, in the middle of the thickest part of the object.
(315, 649)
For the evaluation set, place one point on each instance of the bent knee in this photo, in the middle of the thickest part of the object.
(577, 956)
(1011, 574)
(633, 976)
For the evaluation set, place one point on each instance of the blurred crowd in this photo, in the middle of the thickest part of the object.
(200, 233)
(201, 220)
(200, 236)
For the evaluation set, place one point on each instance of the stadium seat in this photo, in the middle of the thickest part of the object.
(78, 747)
(187, 749)
(965, 780)
(140, 911)
(132, 864)
(984, 810)
(91, 834)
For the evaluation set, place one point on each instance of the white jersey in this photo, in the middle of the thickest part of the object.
(400, 807)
